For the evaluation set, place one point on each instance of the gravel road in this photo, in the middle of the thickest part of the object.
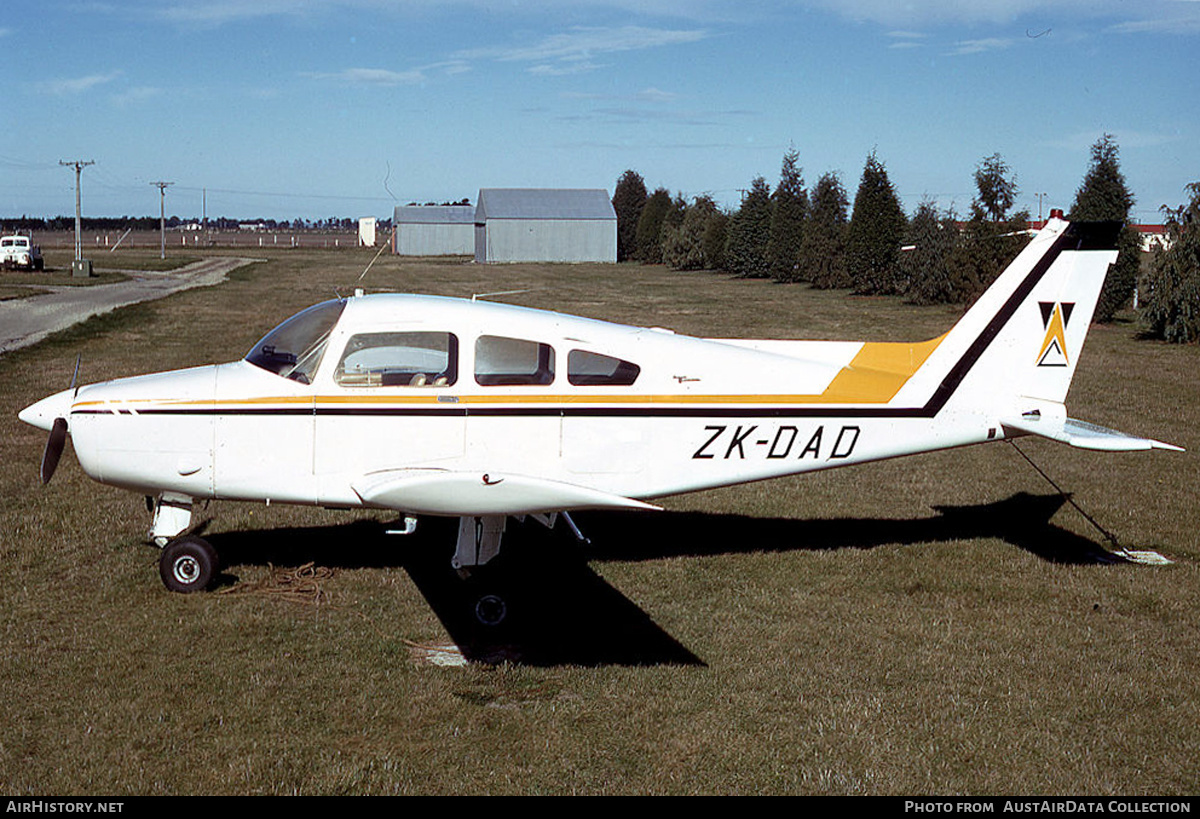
(27, 321)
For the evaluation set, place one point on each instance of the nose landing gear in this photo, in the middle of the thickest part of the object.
(188, 564)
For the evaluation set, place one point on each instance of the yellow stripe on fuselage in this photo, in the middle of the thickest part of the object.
(878, 372)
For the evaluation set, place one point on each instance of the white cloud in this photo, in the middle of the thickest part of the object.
(1081, 142)
(581, 44)
(1180, 20)
(907, 39)
(219, 12)
(935, 12)
(373, 76)
(980, 46)
(1125, 16)
(656, 95)
(385, 77)
(649, 95)
(1179, 16)
(135, 95)
(564, 69)
(76, 85)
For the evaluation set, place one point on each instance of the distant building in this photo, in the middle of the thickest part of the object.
(434, 230)
(545, 225)
(366, 231)
(1153, 237)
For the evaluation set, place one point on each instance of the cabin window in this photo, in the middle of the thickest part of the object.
(501, 361)
(295, 348)
(586, 369)
(418, 359)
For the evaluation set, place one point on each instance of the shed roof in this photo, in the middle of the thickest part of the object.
(435, 215)
(543, 203)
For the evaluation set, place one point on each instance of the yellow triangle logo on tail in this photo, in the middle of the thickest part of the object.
(1055, 316)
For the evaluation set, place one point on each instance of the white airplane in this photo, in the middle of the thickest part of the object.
(480, 411)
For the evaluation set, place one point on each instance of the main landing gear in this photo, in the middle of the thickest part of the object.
(478, 544)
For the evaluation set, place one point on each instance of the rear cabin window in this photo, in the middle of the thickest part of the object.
(399, 360)
(501, 361)
(586, 369)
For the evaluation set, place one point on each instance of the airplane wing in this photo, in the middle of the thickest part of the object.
(1081, 434)
(451, 493)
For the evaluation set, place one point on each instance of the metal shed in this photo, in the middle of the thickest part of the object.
(545, 225)
(434, 230)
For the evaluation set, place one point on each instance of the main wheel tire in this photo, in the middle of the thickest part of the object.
(491, 610)
(188, 564)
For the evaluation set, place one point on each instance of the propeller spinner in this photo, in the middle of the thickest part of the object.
(51, 414)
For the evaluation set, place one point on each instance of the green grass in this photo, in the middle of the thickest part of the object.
(122, 259)
(827, 634)
(56, 277)
(7, 293)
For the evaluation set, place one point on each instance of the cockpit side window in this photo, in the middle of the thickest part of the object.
(586, 369)
(294, 349)
(407, 359)
(502, 361)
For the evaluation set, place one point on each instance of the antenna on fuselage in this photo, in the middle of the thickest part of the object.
(382, 248)
(477, 296)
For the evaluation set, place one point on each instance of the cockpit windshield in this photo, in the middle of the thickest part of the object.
(294, 348)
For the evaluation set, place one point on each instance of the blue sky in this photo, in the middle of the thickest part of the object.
(317, 108)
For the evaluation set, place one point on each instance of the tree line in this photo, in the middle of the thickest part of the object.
(933, 256)
(115, 223)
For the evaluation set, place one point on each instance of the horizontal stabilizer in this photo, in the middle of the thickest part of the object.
(442, 492)
(1081, 434)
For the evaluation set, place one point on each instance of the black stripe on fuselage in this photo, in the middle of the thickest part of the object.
(1077, 236)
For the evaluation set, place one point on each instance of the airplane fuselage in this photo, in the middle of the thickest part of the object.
(698, 413)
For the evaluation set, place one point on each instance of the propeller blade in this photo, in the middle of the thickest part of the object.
(54, 449)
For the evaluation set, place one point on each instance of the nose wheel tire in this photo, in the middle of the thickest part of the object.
(188, 564)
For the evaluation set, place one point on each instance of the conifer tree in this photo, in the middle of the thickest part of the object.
(789, 209)
(1104, 196)
(1172, 309)
(716, 230)
(823, 251)
(876, 228)
(749, 232)
(930, 241)
(997, 189)
(629, 197)
(684, 245)
(649, 229)
(993, 237)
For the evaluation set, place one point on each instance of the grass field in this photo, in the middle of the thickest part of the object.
(932, 625)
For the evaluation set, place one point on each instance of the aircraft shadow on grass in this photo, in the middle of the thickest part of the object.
(560, 611)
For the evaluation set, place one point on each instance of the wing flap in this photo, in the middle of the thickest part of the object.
(443, 492)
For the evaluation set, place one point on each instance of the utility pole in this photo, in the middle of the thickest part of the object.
(78, 165)
(162, 216)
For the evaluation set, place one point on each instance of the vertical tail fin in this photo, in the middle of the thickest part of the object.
(1023, 337)
(1014, 353)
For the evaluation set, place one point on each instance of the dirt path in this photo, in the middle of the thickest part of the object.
(27, 321)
